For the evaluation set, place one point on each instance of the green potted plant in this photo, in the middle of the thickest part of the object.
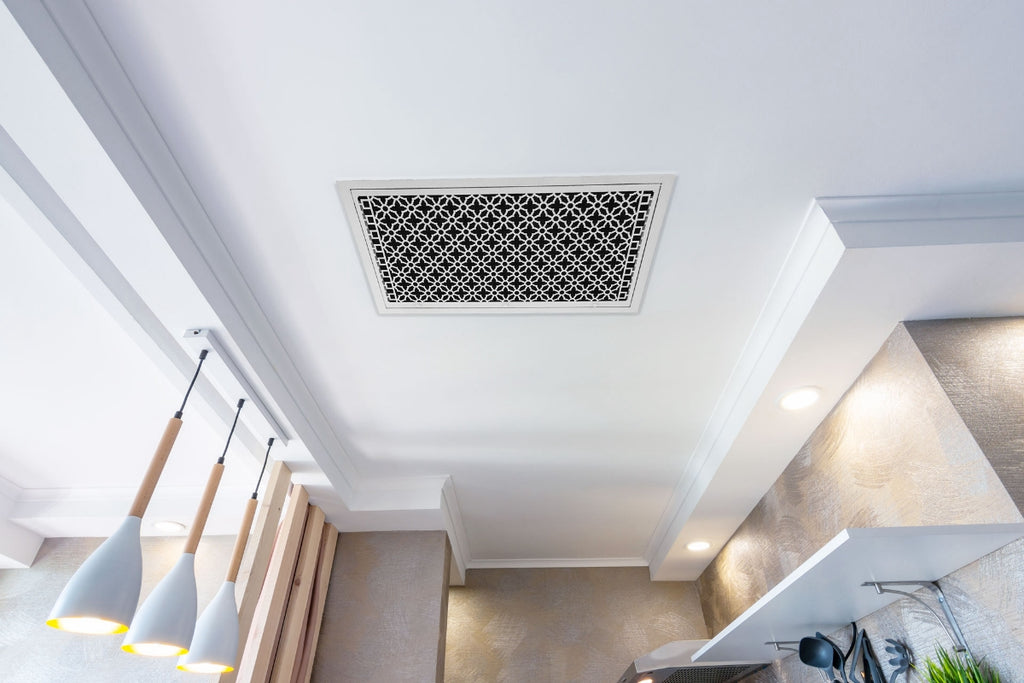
(957, 668)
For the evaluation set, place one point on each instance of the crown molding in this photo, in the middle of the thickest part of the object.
(9, 492)
(810, 262)
(18, 545)
(559, 563)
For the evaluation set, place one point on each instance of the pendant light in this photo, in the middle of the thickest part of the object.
(164, 624)
(214, 647)
(102, 595)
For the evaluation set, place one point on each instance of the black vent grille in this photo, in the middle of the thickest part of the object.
(506, 247)
(720, 673)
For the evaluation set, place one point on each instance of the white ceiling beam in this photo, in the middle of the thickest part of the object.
(74, 47)
(39, 205)
(891, 258)
(72, 44)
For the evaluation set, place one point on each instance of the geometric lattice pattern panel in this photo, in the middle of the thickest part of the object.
(508, 247)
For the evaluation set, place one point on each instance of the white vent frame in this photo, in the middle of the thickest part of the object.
(661, 184)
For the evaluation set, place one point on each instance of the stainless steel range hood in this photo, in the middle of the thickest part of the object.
(671, 663)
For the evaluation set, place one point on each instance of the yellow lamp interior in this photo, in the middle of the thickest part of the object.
(206, 668)
(89, 625)
(154, 649)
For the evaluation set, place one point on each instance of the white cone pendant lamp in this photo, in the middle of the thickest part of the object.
(164, 624)
(214, 647)
(102, 595)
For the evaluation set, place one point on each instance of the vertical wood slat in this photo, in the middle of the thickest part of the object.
(442, 628)
(325, 562)
(258, 656)
(258, 553)
(289, 647)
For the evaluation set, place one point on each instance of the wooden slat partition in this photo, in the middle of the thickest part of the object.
(258, 552)
(258, 656)
(328, 546)
(289, 648)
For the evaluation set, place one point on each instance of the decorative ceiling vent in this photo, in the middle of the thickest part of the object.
(508, 246)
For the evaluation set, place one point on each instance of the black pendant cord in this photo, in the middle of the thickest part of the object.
(241, 402)
(202, 357)
(270, 444)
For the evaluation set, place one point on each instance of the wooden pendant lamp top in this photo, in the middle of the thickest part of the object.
(156, 467)
(199, 523)
(163, 451)
(241, 540)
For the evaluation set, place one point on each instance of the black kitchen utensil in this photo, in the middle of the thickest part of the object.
(902, 659)
(838, 658)
(816, 652)
(820, 652)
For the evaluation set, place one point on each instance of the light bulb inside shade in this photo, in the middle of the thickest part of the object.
(154, 649)
(88, 625)
(801, 398)
(206, 668)
(646, 680)
(697, 546)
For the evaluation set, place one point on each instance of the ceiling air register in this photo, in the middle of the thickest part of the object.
(555, 245)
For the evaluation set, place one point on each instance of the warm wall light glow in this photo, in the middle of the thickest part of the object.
(206, 668)
(154, 649)
(799, 399)
(646, 680)
(167, 526)
(697, 546)
(89, 625)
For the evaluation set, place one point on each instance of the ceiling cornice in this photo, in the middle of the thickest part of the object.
(559, 563)
(18, 545)
(808, 266)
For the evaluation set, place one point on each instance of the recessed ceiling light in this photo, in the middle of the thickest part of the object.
(799, 399)
(169, 527)
(697, 546)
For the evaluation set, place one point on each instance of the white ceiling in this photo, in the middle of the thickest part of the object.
(557, 439)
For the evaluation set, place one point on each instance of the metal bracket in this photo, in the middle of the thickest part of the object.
(778, 645)
(956, 635)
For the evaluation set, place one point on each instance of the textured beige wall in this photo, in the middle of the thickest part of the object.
(31, 652)
(980, 365)
(565, 625)
(385, 614)
(895, 451)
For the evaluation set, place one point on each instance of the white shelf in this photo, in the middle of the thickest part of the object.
(825, 592)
